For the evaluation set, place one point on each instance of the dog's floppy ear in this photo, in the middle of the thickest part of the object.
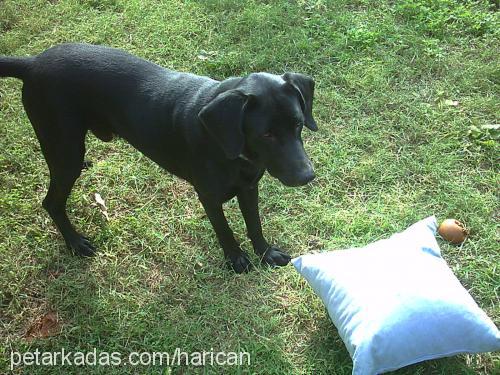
(305, 87)
(223, 118)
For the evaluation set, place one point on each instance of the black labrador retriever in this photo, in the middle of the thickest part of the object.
(220, 136)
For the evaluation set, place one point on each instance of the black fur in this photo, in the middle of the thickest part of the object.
(219, 136)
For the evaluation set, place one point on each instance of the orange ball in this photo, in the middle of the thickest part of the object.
(453, 230)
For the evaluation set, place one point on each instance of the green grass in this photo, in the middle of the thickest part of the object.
(390, 150)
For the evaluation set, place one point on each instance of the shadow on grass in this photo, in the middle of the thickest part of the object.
(194, 309)
(327, 352)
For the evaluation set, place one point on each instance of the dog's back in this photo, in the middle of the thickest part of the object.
(112, 92)
(105, 76)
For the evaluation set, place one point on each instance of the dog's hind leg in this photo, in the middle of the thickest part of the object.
(65, 167)
(62, 140)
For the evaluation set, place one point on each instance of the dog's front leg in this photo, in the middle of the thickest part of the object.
(248, 200)
(237, 259)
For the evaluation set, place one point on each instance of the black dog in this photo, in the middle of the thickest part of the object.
(219, 136)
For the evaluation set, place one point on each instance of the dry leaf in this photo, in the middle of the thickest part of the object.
(206, 55)
(47, 325)
(100, 201)
(453, 103)
(102, 204)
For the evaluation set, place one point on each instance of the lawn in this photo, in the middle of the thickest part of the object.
(403, 92)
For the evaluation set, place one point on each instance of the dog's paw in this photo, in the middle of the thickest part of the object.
(239, 262)
(275, 257)
(81, 245)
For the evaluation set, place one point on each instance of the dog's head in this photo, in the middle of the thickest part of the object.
(262, 120)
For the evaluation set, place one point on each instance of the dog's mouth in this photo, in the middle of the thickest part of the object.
(295, 180)
(298, 182)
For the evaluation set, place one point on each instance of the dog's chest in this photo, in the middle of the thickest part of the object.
(247, 178)
(249, 175)
(223, 182)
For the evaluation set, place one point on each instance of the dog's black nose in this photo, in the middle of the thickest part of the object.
(306, 177)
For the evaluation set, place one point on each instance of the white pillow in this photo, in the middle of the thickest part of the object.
(396, 302)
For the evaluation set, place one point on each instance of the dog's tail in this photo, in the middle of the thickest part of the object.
(15, 66)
